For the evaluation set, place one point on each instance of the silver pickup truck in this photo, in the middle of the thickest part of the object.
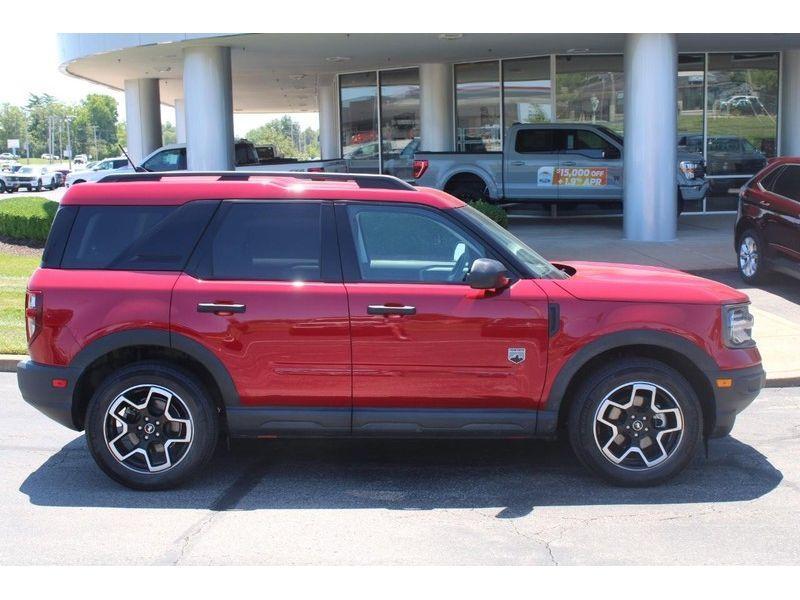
(552, 162)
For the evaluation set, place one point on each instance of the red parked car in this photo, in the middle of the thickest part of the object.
(768, 225)
(171, 309)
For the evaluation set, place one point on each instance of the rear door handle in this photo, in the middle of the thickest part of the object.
(382, 309)
(212, 307)
(518, 163)
(569, 163)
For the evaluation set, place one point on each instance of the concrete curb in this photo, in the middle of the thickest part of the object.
(8, 364)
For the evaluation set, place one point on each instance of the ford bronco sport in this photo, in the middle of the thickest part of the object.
(173, 309)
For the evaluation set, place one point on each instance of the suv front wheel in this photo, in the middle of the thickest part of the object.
(635, 422)
(150, 426)
(751, 259)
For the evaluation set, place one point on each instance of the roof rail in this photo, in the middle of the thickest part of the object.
(385, 182)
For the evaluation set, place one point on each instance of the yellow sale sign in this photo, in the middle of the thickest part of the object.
(581, 176)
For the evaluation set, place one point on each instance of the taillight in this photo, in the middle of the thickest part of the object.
(420, 166)
(33, 314)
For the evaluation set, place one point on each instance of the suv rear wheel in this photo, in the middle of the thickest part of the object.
(635, 422)
(150, 426)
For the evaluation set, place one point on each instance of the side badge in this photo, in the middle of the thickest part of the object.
(516, 355)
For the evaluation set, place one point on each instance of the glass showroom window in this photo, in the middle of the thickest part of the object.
(478, 107)
(358, 99)
(399, 120)
(527, 91)
(691, 87)
(590, 89)
(742, 122)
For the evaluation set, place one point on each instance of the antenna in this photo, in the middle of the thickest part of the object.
(135, 168)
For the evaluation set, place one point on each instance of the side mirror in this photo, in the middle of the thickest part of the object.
(487, 274)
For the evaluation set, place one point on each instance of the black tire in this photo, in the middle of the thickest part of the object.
(38, 187)
(469, 189)
(195, 405)
(674, 449)
(752, 264)
(2, 187)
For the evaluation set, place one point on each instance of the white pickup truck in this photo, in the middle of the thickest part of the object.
(548, 162)
(172, 157)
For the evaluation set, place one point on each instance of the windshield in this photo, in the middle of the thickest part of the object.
(537, 265)
(26, 170)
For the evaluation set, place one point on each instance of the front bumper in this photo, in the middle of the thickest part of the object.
(730, 401)
(36, 385)
(694, 191)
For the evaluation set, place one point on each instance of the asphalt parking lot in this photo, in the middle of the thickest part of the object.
(410, 502)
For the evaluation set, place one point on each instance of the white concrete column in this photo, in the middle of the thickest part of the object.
(790, 104)
(180, 121)
(208, 95)
(436, 107)
(651, 137)
(142, 117)
(328, 106)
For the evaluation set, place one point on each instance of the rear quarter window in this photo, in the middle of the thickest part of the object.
(136, 238)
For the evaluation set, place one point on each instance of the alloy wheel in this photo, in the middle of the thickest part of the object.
(638, 425)
(748, 256)
(148, 428)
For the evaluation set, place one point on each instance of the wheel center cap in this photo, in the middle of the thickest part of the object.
(149, 428)
(637, 425)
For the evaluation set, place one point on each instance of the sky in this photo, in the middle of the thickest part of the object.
(38, 73)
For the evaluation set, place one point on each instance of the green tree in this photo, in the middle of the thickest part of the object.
(95, 111)
(168, 133)
(38, 108)
(12, 124)
(287, 137)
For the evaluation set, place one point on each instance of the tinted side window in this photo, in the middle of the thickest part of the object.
(271, 241)
(168, 160)
(141, 238)
(582, 141)
(788, 182)
(536, 140)
(769, 180)
(409, 244)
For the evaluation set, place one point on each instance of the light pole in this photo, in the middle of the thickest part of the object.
(96, 151)
(68, 119)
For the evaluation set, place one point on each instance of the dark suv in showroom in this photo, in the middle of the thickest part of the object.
(767, 235)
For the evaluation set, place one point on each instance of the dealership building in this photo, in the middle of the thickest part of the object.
(733, 99)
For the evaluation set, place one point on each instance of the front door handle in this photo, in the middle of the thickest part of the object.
(382, 309)
(518, 163)
(213, 307)
(569, 163)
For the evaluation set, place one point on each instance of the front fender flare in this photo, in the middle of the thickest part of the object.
(547, 421)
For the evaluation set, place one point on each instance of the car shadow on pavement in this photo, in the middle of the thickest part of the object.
(514, 476)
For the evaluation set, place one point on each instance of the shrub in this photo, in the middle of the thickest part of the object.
(494, 212)
(27, 218)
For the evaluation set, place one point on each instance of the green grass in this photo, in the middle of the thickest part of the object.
(14, 273)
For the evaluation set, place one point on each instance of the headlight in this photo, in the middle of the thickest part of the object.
(688, 168)
(737, 326)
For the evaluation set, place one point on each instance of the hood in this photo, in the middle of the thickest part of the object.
(616, 282)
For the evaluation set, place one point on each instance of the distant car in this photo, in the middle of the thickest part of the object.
(51, 156)
(5, 184)
(80, 159)
(727, 154)
(100, 170)
(767, 230)
(34, 178)
(7, 156)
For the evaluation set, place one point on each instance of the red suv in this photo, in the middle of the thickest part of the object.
(768, 224)
(172, 309)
